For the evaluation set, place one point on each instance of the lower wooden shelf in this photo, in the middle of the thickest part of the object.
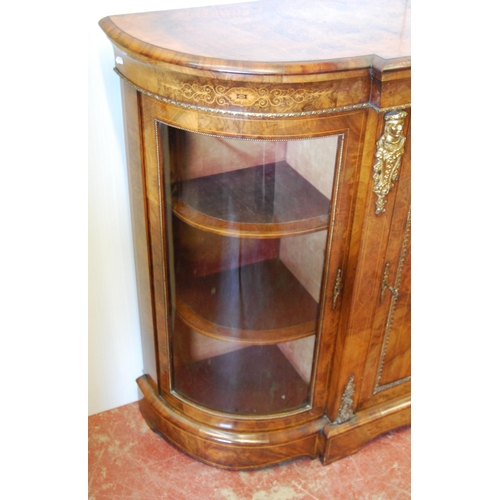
(260, 303)
(255, 380)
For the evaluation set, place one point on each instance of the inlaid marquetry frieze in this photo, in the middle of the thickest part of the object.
(282, 98)
(280, 102)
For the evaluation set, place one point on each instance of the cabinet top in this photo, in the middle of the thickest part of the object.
(271, 37)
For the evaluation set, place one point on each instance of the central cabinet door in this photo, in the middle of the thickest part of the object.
(247, 225)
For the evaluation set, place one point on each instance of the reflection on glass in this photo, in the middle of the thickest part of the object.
(247, 228)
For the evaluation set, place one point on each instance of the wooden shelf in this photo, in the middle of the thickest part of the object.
(260, 303)
(255, 380)
(266, 201)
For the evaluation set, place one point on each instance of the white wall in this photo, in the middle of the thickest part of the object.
(114, 349)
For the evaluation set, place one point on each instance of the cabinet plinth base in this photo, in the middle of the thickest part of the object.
(238, 450)
(222, 448)
(348, 438)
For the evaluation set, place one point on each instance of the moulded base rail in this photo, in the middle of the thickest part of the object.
(239, 450)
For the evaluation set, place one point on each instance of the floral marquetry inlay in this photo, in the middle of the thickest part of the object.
(261, 98)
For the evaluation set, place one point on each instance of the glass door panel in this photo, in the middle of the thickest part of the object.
(247, 229)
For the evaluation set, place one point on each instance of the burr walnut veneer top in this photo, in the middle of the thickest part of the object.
(271, 37)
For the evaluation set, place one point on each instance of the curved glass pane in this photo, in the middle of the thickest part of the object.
(246, 229)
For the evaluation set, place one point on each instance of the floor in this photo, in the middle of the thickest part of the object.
(129, 461)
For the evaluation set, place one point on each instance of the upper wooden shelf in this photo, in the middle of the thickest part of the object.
(272, 37)
(266, 201)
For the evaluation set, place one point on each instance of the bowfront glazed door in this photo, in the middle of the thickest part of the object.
(248, 228)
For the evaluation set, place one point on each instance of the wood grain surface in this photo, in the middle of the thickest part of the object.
(285, 37)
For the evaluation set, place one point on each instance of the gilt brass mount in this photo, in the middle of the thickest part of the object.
(346, 410)
(337, 288)
(385, 284)
(390, 149)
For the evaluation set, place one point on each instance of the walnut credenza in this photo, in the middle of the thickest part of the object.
(268, 148)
